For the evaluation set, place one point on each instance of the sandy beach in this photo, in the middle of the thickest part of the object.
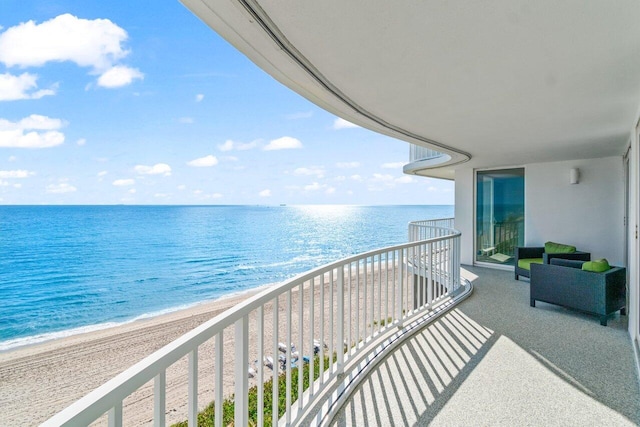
(38, 381)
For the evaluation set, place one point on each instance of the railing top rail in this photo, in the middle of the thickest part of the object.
(104, 397)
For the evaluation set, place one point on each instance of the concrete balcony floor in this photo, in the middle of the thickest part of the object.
(494, 360)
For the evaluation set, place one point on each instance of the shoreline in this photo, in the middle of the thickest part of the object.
(47, 337)
(39, 380)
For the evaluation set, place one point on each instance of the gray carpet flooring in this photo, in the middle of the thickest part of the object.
(496, 361)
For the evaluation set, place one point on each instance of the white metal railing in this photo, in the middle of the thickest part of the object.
(326, 317)
(427, 229)
(417, 153)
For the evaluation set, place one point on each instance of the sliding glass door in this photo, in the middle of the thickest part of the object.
(499, 215)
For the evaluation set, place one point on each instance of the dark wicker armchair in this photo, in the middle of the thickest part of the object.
(569, 286)
(532, 253)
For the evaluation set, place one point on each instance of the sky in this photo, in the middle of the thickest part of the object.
(130, 102)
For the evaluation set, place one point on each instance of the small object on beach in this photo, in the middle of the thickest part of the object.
(295, 354)
(282, 347)
(252, 372)
(283, 361)
(268, 362)
(306, 359)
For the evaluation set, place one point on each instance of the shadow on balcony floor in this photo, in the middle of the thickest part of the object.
(494, 360)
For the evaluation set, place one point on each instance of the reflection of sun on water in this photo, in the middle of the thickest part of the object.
(327, 212)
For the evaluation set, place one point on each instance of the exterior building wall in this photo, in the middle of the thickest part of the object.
(464, 212)
(589, 215)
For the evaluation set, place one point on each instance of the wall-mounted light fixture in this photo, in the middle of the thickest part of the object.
(574, 177)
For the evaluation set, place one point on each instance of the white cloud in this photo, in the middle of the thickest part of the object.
(314, 187)
(132, 191)
(199, 97)
(310, 171)
(356, 178)
(230, 145)
(24, 133)
(204, 162)
(404, 180)
(181, 187)
(161, 195)
(16, 174)
(102, 173)
(186, 120)
(265, 193)
(343, 124)
(284, 143)
(392, 165)
(81, 142)
(157, 169)
(60, 188)
(378, 177)
(330, 190)
(23, 86)
(89, 43)
(230, 158)
(348, 165)
(12, 158)
(118, 76)
(299, 115)
(124, 182)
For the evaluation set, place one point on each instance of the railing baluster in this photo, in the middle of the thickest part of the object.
(400, 297)
(321, 373)
(386, 292)
(429, 275)
(331, 324)
(260, 385)
(241, 366)
(159, 399)
(379, 275)
(373, 293)
(276, 365)
(341, 322)
(365, 304)
(300, 346)
(312, 333)
(115, 415)
(288, 360)
(357, 304)
(193, 388)
(349, 313)
(219, 379)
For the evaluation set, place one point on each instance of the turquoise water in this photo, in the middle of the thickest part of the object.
(70, 269)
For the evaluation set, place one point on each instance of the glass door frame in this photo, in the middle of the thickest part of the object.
(475, 214)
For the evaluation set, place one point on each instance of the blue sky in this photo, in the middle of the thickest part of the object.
(124, 102)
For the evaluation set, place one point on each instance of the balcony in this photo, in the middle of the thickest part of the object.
(421, 159)
(494, 360)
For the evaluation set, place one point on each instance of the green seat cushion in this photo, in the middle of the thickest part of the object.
(526, 263)
(558, 248)
(597, 266)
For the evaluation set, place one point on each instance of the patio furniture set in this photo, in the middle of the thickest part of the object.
(561, 275)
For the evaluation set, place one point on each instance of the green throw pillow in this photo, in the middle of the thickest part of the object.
(558, 248)
(597, 266)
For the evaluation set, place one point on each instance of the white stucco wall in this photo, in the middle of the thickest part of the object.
(464, 212)
(589, 215)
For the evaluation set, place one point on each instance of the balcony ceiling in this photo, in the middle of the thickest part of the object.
(497, 83)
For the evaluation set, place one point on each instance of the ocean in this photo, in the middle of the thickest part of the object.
(71, 269)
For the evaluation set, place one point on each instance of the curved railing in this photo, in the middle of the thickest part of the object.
(422, 158)
(330, 318)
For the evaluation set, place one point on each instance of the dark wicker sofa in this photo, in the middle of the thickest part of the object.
(564, 283)
(538, 252)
